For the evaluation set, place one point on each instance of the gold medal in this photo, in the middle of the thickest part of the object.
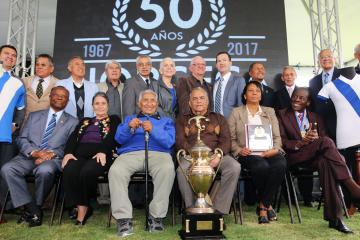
(303, 133)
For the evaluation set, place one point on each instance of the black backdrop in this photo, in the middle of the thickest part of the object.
(99, 30)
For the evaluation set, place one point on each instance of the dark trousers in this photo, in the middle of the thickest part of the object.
(323, 156)
(80, 176)
(7, 152)
(267, 175)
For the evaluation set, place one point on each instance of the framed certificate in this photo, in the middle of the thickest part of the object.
(258, 138)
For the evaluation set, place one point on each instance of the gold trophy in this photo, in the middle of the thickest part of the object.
(200, 175)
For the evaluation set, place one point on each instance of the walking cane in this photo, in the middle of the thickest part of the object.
(146, 179)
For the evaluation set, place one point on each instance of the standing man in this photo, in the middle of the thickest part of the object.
(357, 56)
(215, 135)
(41, 144)
(227, 87)
(283, 95)
(12, 106)
(130, 134)
(142, 81)
(38, 87)
(113, 87)
(257, 73)
(81, 91)
(197, 69)
(326, 109)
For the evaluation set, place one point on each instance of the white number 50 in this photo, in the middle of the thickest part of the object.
(174, 14)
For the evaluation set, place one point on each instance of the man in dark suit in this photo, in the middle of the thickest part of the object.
(41, 145)
(357, 56)
(137, 84)
(283, 95)
(307, 144)
(326, 109)
(257, 73)
(228, 87)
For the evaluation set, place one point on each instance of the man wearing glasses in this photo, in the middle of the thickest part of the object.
(197, 69)
(142, 81)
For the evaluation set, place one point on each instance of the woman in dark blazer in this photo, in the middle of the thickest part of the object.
(166, 92)
(88, 154)
(267, 167)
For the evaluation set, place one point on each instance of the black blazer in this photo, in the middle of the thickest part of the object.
(325, 109)
(268, 97)
(357, 68)
(282, 98)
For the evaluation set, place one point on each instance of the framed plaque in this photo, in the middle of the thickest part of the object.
(258, 138)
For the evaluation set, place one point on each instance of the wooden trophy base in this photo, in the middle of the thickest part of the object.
(202, 226)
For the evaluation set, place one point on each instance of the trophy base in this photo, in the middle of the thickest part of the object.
(202, 226)
(200, 210)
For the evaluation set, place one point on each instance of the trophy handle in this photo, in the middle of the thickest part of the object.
(216, 151)
(182, 153)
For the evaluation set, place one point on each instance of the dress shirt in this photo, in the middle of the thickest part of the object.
(51, 112)
(225, 80)
(256, 119)
(45, 83)
(78, 85)
(330, 72)
(290, 89)
(144, 78)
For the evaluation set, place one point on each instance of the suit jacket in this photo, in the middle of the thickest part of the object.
(282, 98)
(290, 131)
(90, 90)
(357, 68)
(185, 85)
(32, 133)
(232, 94)
(131, 92)
(326, 109)
(33, 103)
(268, 97)
(239, 117)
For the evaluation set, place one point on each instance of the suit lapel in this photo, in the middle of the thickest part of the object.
(52, 83)
(292, 120)
(71, 89)
(60, 123)
(42, 124)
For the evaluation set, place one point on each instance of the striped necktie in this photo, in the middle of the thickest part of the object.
(218, 96)
(50, 128)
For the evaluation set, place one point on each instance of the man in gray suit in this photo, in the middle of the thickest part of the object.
(41, 145)
(137, 84)
(227, 86)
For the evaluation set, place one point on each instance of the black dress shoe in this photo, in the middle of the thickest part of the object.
(339, 225)
(24, 218)
(35, 220)
(88, 214)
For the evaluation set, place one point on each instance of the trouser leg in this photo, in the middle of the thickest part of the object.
(161, 169)
(230, 171)
(119, 177)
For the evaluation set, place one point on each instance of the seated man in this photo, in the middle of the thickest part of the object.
(215, 135)
(307, 144)
(41, 144)
(130, 135)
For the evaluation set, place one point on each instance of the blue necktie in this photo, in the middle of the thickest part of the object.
(218, 96)
(50, 128)
(326, 78)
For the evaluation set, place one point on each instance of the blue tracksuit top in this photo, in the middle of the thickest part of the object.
(162, 136)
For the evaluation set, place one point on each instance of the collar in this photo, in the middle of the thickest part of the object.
(109, 84)
(225, 77)
(144, 78)
(58, 114)
(263, 82)
(291, 87)
(155, 115)
(330, 72)
(46, 79)
(259, 112)
(79, 85)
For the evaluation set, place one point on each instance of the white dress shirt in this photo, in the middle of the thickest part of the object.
(45, 83)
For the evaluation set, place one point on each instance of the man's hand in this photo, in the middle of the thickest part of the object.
(269, 153)
(67, 157)
(43, 154)
(147, 126)
(100, 158)
(215, 161)
(244, 152)
(311, 136)
(135, 123)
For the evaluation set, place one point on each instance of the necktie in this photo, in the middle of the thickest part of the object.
(39, 88)
(326, 78)
(218, 97)
(50, 128)
(147, 83)
(301, 117)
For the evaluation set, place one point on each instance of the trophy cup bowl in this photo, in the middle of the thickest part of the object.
(200, 175)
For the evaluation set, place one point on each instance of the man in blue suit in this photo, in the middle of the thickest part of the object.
(41, 145)
(81, 91)
(227, 86)
(325, 109)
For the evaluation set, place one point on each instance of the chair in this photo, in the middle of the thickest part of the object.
(31, 179)
(138, 177)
